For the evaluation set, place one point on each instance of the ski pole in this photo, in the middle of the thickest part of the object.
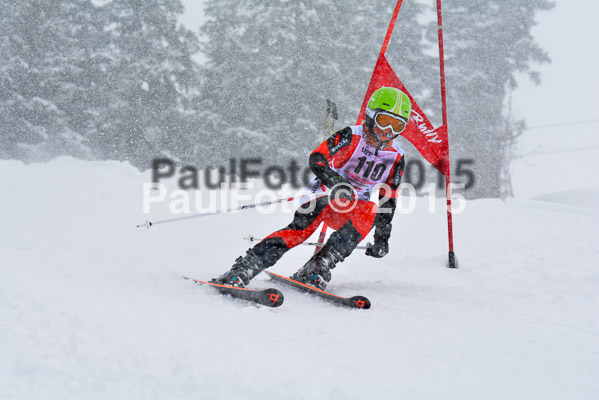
(331, 109)
(251, 238)
(335, 117)
(326, 122)
(148, 224)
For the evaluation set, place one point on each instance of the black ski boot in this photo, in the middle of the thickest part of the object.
(244, 269)
(317, 271)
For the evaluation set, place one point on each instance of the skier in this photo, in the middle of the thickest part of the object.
(350, 163)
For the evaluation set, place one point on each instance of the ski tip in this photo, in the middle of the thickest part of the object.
(274, 297)
(360, 302)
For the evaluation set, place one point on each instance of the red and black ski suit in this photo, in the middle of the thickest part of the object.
(344, 158)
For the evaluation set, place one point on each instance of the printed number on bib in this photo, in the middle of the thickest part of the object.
(375, 173)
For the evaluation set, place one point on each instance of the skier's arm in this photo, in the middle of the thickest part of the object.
(386, 210)
(388, 201)
(337, 147)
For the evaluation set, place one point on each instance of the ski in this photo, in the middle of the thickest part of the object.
(352, 302)
(267, 297)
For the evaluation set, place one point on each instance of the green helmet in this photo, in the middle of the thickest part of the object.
(392, 100)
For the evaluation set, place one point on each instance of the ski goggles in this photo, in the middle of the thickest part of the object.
(387, 120)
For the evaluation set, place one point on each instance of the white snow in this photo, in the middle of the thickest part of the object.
(93, 308)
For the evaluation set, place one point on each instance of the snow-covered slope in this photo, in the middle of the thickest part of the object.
(92, 307)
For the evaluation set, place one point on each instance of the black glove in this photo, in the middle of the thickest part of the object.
(379, 249)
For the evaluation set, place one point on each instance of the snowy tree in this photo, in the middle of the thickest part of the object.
(272, 65)
(152, 82)
(487, 45)
(44, 50)
(116, 80)
(113, 80)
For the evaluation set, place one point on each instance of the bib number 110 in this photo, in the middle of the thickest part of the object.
(374, 172)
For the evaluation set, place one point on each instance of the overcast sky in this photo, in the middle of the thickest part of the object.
(569, 90)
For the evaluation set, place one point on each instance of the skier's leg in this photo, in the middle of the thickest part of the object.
(306, 220)
(317, 271)
(266, 253)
